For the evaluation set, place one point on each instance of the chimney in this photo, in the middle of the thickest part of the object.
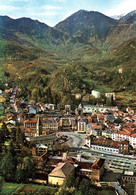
(64, 155)
(79, 157)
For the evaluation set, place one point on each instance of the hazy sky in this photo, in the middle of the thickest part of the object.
(53, 11)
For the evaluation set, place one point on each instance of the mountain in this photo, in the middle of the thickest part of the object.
(32, 33)
(89, 25)
(84, 51)
(130, 17)
(118, 17)
(123, 31)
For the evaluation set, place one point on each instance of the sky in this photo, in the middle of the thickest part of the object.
(52, 12)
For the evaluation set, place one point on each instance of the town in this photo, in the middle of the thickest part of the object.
(96, 142)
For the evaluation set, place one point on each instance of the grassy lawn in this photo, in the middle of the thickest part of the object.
(8, 188)
(127, 98)
(17, 189)
(130, 188)
(106, 192)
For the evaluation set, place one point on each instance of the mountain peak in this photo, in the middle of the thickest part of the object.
(130, 17)
(89, 25)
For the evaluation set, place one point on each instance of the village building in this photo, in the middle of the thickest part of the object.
(39, 150)
(60, 172)
(129, 177)
(78, 96)
(82, 126)
(32, 127)
(110, 96)
(87, 109)
(107, 145)
(125, 135)
(95, 93)
(50, 106)
(50, 124)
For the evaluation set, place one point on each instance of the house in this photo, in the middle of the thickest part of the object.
(130, 110)
(60, 172)
(82, 126)
(89, 128)
(50, 106)
(107, 133)
(120, 70)
(96, 94)
(78, 96)
(97, 130)
(110, 96)
(32, 110)
(39, 149)
(132, 140)
(110, 118)
(100, 117)
(67, 109)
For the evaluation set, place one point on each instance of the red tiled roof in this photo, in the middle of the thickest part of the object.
(31, 121)
(124, 132)
(133, 135)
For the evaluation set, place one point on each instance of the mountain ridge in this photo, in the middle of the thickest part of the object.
(51, 65)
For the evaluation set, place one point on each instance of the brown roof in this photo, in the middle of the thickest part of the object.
(62, 170)
(84, 165)
(105, 142)
(31, 121)
(98, 164)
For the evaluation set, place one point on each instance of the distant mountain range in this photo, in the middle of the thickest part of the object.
(117, 17)
(87, 41)
(82, 28)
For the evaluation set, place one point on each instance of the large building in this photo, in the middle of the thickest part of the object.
(107, 145)
(124, 135)
(50, 124)
(93, 171)
(98, 108)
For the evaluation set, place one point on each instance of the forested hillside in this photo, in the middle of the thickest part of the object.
(81, 53)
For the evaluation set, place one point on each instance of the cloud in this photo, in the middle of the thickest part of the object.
(49, 7)
(125, 6)
(17, 0)
(59, 1)
(7, 8)
(48, 13)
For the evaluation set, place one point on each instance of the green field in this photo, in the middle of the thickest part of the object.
(17, 189)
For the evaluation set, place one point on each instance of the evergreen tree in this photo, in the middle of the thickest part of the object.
(8, 167)
(19, 174)
(28, 167)
(1, 183)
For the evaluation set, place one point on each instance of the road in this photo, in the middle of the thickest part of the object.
(12, 98)
(75, 140)
(117, 187)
